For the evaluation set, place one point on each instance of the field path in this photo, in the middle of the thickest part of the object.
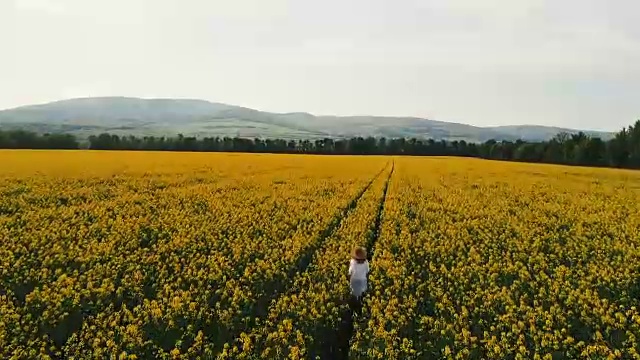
(346, 330)
(304, 260)
(278, 287)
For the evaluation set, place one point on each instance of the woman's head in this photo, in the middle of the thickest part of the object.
(359, 253)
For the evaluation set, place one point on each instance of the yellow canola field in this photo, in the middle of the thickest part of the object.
(200, 255)
(307, 321)
(491, 260)
(155, 254)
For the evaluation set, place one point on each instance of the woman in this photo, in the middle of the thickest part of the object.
(358, 272)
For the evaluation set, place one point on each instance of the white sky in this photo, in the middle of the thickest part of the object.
(573, 63)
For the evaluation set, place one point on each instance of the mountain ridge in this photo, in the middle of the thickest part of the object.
(196, 117)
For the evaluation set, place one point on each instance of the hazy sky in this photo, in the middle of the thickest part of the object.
(572, 63)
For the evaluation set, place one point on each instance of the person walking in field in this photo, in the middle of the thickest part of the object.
(358, 272)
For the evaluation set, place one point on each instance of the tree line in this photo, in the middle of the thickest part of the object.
(623, 150)
(22, 139)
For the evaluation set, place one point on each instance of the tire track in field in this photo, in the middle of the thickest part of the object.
(303, 262)
(275, 288)
(345, 330)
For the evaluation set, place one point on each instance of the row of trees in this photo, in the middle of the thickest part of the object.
(623, 150)
(21, 139)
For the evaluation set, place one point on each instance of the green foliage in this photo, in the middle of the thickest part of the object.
(20, 139)
(623, 150)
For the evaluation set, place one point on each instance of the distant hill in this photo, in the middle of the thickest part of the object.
(145, 117)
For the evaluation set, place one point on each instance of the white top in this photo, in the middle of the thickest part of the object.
(358, 271)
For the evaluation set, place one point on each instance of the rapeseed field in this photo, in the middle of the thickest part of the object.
(135, 255)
